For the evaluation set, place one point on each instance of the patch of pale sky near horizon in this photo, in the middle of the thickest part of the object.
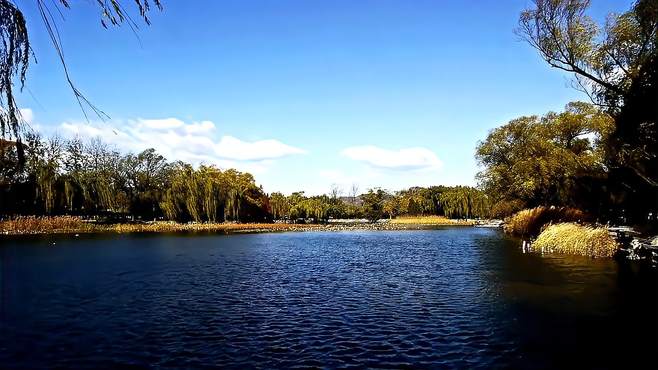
(417, 158)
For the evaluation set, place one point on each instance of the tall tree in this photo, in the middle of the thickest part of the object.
(540, 160)
(616, 65)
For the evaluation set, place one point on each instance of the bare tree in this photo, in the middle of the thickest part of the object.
(604, 60)
(354, 192)
(335, 191)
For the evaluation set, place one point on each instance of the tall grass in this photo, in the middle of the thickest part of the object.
(529, 222)
(571, 238)
(40, 225)
(71, 224)
(170, 226)
(426, 220)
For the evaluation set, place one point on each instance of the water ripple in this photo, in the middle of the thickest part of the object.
(438, 299)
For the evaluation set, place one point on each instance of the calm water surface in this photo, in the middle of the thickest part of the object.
(447, 298)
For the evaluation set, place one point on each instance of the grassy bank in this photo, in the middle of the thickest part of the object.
(75, 225)
(571, 238)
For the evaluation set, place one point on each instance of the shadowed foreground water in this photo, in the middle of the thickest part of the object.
(446, 298)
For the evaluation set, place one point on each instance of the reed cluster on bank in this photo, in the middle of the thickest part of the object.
(43, 225)
(571, 238)
(428, 220)
(529, 223)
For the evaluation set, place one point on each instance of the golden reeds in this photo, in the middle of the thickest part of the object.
(571, 238)
(529, 222)
(428, 220)
(40, 225)
(71, 225)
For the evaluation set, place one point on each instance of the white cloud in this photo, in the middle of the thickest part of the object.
(232, 148)
(416, 158)
(202, 127)
(162, 124)
(27, 115)
(194, 142)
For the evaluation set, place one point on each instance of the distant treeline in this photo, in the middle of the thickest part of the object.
(72, 177)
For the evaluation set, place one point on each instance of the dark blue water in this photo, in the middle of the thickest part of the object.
(448, 298)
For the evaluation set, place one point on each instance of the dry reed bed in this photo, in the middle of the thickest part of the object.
(70, 225)
(42, 225)
(530, 222)
(571, 238)
(428, 220)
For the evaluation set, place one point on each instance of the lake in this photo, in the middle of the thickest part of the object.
(445, 298)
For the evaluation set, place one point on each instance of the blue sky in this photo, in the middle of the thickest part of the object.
(303, 94)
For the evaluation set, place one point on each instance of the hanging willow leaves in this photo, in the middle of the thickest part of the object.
(15, 53)
(14, 60)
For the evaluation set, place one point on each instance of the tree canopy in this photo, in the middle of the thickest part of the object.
(616, 65)
(605, 59)
(542, 160)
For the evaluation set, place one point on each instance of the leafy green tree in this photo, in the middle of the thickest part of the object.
(280, 207)
(392, 206)
(373, 204)
(616, 65)
(539, 160)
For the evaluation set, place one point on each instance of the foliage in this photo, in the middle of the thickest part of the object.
(570, 238)
(616, 64)
(15, 51)
(605, 60)
(464, 202)
(543, 160)
(530, 222)
(72, 177)
(503, 209)
(373, 204)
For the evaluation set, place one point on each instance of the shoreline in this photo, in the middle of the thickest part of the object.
(82, 227)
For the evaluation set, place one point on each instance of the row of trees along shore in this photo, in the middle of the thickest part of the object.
(73, 177)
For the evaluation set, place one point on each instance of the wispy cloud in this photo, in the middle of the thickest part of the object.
(193, 142)
(27, 115)
(406, 159)
(233, 148)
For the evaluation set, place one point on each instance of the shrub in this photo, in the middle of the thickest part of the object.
(530, 222)
(505, 208)
(571, 238)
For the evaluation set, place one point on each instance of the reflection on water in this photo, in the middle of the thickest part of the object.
(452, 297)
